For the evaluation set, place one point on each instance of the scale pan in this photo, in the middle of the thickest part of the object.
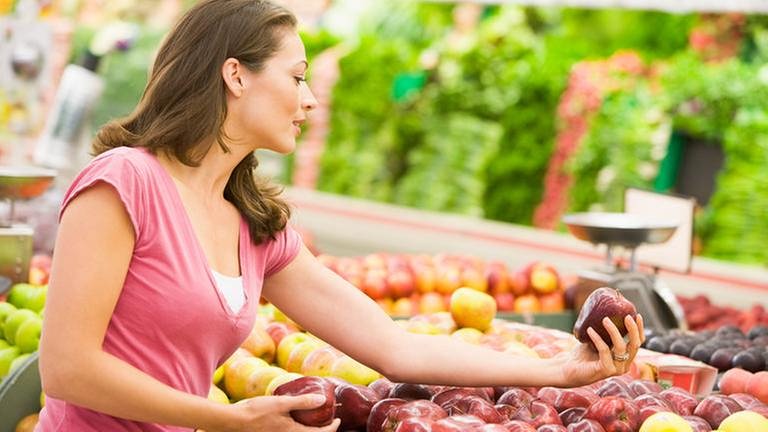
(18, 182)
(622, 229)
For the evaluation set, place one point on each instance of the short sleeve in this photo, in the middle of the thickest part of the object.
(118, 171)
(282, 250)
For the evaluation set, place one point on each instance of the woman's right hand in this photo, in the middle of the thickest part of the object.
(272, 413)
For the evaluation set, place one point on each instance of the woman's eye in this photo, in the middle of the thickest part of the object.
(300, 79)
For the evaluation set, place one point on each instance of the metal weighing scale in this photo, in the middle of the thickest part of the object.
(16, 238)
(650, 295)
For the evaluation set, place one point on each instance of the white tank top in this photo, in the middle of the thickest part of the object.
(232, 289)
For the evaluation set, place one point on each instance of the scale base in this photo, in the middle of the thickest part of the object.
(653, 299)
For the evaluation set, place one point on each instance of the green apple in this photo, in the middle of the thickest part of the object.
(18, 361)
(14, 321)
(6, 358)
(36, 298)
(5, 310)
(19, 294)
(4, 344)
(28, 334)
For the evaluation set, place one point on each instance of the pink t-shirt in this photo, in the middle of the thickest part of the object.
(170, 320)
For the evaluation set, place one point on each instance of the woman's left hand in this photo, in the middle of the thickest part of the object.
(584, 366)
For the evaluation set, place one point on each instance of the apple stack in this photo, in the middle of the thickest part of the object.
(20, 325)
(701, 314)
(405, 285)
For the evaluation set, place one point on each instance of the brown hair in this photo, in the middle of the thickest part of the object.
(184, 103)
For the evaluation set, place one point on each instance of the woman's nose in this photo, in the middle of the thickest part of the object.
(308, 101)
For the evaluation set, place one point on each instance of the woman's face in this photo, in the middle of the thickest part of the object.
(273, 103)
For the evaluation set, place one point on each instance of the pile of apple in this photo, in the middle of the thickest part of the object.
(613, 405)
(20, 325)
(727, 347)
(405, 285)
(701, 314)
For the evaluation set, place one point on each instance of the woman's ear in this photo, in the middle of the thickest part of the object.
(232, 72)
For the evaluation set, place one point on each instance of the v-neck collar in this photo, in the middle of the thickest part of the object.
(243, 237)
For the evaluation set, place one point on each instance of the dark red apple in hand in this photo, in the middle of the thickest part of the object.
(615, 414)
(601, 303)
(320, 416)
(354, 405)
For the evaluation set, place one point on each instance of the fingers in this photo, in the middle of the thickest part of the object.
(635, 335)
(640, 328)
(301, 402)
(619, 346)
(606, 358)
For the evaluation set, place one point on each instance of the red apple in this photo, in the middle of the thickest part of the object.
(650, 410)
(519, 426)
(552, 428)
(452, 395)
(414, 424)
(505, 301)
(569, 398)
(698, 424)
(682, 402)
(409, 391)
(422, 409)
(615, 386)
(278, 330)
(572, 415)
(543, 413)
(478, 407)
(549, 394)
(490, 428)
(497, 275)
(382, 387)
(586, 425)
(552, 302)
(460, 423)
(615, 414)
(320, 416)
(379, 413)
(515, 397)
(715, 408)
(601, 303)
(374, 284)
(354, 405)
(648, 399)
(643, 386)
(746, 400)
(400, 283)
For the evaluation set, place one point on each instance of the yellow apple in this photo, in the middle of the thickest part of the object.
(666, 422)
(280, 380)
(217, 395)
(422, 327)
(218, 374)
(260, 344)
(468, 335)
(286, 345)
(472, 308)
(297, 355)
(238, 354)
(237, 374)
(744, 421)
(352, 371)
(319, 361)
(259, 380)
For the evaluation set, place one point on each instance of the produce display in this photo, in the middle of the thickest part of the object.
(702, 314)
(727, 347)
(406, 285)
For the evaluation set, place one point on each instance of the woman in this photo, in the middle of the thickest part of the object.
(166, 241)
